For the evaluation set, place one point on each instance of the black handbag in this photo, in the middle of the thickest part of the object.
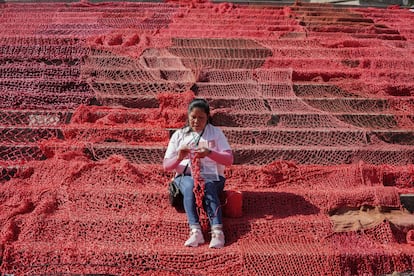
(175, 195)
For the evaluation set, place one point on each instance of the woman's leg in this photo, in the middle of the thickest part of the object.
(212, 192)
(186, 184)
(213, 207)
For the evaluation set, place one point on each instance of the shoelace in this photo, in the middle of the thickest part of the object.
(216, 234)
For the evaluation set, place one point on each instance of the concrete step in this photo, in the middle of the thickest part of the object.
(248, 89)
(258, 25)
(139, 229)
(220, 52)
(34, 118)
(236, 136)
(107, 60)
(253, 155)
(208, 51)
(43, 86)
(42, 101)
(243, 76)
(18, 41)
(113, 89)
(244, 22)
(345, 28)
(20, 153)
(167, 255)
(21, 135)
(260, 117)
(387, 37)
(248, 34)
(160, 136)
(40, 61)
(375, 64)
(128, 216)
(147, 75)
(335, 19)
(286, 195)
(262, 155)
(43, 51)
(53, 5)
(196, 42)
(130, 258)
(309, 119)
(206, 62)
(359, 36)
(35, 71)
(306, 91)
(350, 53)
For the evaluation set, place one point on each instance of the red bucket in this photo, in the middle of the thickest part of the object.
(232, 203)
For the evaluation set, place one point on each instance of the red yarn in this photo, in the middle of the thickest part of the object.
(198, 190)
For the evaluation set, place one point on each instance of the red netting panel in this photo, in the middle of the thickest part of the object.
(128, 78)
(41, 73)
(35, 118)
(294, 136)
(261, 76)
(46, 51)
(261, 155)
(249, 105)
(161, 117)
(36, 20)
(89, 187)
(61, 20)
(303, 259)
(32, 100)
(398, 19)
(325, 189)
(222, 63)
(111, 261)
(265, 22)
(16, 135)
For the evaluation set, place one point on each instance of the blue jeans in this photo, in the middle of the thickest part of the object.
(211, 199)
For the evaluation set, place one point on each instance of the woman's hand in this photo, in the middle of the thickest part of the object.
(183, 152)
(202, 152)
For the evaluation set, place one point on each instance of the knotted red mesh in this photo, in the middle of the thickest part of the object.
(315, 100)
(199, 188)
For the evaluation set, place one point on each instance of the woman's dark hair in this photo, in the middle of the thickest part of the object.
(199, 103)
(202, 104)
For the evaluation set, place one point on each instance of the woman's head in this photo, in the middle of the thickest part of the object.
(198, 114)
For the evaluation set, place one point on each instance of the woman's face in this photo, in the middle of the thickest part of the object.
(197, 119)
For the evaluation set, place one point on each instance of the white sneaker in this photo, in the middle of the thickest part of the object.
(196, 238)
(217, 239)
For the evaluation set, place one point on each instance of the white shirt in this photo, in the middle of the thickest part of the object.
(212, 138)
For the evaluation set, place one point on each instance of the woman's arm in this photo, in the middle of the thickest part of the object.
(170, 164)
(174, 162)
(223, 157)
